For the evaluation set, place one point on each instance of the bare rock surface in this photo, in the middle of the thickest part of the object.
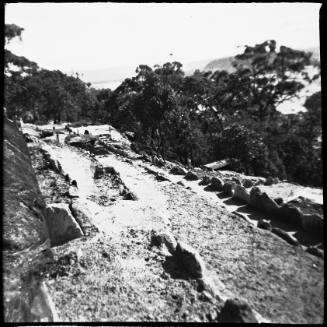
(264, 264)
(119, 270)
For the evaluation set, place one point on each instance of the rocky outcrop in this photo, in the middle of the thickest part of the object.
(237, 311)
(61, 225)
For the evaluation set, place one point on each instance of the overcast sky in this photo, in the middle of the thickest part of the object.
(79, 36)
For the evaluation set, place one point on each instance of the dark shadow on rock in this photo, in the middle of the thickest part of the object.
(306, 239)
(303, 237)
(222, 195)
(233, 201)
(258, 215)
(174, 269)
(210, 188)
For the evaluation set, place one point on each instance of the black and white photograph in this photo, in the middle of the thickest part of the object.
(162, 163)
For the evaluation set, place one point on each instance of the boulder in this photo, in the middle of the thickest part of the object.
(190, 260)
(177, 170)
(262, 201)
(291, 214)
(242, 194)
(228, 188)
(237, 311)
(62, 226)
(217, 183)
(180, 183)
(313, 223)
(191, 176)
(285, 236)
(264, 224)
(205, 180)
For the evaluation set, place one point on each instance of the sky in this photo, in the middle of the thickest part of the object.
(86, 36)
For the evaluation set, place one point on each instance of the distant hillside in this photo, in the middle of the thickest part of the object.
(221, 64)
(226, 62)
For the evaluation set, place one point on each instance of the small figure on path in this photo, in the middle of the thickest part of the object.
(86, 132)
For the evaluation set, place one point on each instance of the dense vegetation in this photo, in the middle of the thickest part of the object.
(205, 117)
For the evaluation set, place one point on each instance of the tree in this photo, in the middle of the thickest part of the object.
(270, 76)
